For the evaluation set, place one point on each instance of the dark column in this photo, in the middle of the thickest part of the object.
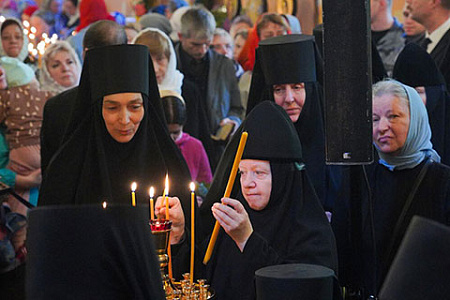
(347, 81)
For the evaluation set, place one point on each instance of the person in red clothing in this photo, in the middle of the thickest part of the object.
(192, 149)
(92, 11)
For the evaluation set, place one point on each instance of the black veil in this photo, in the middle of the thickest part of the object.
(90, 166)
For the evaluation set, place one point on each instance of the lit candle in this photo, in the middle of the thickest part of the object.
(166, 196)
(30, 48)
(104, 204)
(41, 48)
(133, 194)
(234, 169)
(33, 29)
(191, 272)
(151, 192)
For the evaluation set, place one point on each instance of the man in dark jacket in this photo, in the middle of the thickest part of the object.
(211, 75)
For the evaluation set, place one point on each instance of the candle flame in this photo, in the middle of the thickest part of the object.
(31, 36)
(41, 46)
(192, 186)
(33, 29)
(133, 186)
(104, 204)
(30, 47)
(25, 31)
(44, 35)
(26, 23)
(166, 186)
(151, 192)
(2, 19)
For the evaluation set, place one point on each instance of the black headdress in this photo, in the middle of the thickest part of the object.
(378, 70)
(420, 268)
(293, 224)
(91, 167)
(415, 67)
(91, 252)
(291, 59)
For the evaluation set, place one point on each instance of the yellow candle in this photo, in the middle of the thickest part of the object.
(191, 272)
(133, 194)
(166, 195)
(166, 198)
(169, 267)
(234, 169)
(152, 209)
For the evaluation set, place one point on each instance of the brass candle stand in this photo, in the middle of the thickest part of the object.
(182, 290)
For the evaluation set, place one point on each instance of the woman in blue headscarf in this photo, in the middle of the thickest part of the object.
(407, 180)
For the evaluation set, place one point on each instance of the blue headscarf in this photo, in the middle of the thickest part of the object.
(418, 144)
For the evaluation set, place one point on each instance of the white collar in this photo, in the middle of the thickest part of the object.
(437, 35)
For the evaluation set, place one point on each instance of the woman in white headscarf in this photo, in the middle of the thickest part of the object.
(61, 68)
(175, 22)
(14, 43)
(163, 56)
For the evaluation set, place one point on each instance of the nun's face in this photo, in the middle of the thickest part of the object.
(12, 40)
(422, 93)
(123, 112)
(291, 97)
(256, 182)
(390, 118)
(271, 30)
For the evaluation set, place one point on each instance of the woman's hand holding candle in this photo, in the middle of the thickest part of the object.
(176, 215)
(234, 220)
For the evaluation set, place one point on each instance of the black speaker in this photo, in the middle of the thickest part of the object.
(347, 82)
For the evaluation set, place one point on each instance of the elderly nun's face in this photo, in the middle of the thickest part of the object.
(123, 112)
(422, 93)
(256, 182)
(390, 118)
(291, 97)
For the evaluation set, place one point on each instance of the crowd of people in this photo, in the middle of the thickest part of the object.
(108, 103)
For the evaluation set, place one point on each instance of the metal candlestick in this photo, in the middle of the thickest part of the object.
(182, 290)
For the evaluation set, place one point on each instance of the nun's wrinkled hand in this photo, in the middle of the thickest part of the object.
(232, 216)
(176, 215)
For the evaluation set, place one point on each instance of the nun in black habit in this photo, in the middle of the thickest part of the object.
(273, 216)
(116, 135)
(416, 68)
(289, 62)
(289, 227)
